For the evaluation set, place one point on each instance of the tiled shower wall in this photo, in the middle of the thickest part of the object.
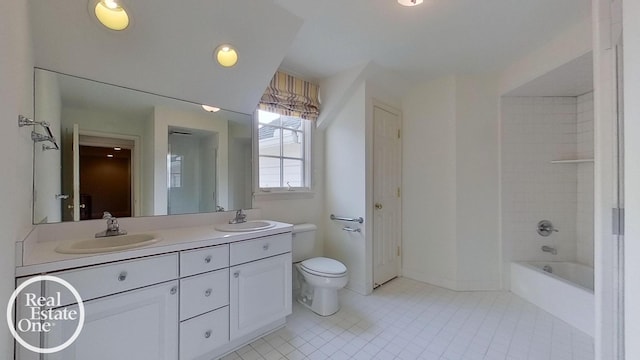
(535, 131)
(584, 224)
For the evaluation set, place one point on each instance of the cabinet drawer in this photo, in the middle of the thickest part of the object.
(250, 250)
(101, 280)
(202, 293)
(203, 334)
(202, 260)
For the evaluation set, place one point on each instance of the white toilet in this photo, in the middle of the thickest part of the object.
(320, 277)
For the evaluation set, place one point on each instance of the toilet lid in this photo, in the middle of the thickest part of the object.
(324, 265)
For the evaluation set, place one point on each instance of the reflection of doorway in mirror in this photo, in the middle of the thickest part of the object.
(105, 181)
(191, 171)
(106, 174)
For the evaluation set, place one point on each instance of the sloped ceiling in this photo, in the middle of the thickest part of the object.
(168, 49)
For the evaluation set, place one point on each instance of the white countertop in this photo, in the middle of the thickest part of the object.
(42, 257)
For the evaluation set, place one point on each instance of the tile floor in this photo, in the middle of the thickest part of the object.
(406, 319)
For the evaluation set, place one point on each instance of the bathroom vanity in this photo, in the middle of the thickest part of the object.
(197, 293)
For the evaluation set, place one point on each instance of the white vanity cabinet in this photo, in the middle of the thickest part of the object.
(131, 311)
(260, 284)
(137, 324)
(190, 304)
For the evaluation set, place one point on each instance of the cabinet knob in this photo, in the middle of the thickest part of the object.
(265, 247)
(207, 334)
(174, 290)
(207, 292)
(122, 276)
(236, 274)
(207, 259)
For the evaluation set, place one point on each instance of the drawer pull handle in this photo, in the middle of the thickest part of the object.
(207, 334)
(122, 276)
(265, 247)
(174, 290)
(208, 292)
(207, 259)
(236, 274)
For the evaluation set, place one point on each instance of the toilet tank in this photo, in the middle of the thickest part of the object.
(304, 238)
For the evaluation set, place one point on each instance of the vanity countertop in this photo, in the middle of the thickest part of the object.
(42, 257)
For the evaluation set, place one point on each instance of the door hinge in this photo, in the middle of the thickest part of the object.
(398, 133)
(398, 250)
(398, 192)
(617, 221)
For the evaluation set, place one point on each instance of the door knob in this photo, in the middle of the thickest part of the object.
(378, 206)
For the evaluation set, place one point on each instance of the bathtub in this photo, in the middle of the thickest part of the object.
(566, 292)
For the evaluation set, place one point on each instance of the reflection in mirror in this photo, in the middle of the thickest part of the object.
(132, 153)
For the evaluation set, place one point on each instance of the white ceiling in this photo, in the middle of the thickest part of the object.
(439, 37)
(571, 79)
(168, 49)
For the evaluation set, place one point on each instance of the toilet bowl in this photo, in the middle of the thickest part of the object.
(320, 278)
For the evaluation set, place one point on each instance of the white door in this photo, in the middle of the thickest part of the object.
(140, 324)
(260, 293)
(387, 166)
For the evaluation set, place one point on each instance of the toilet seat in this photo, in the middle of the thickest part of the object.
(325, 267)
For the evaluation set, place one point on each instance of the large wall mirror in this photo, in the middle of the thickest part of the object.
(133, 153)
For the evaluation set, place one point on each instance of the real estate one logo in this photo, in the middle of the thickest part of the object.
(41, 314)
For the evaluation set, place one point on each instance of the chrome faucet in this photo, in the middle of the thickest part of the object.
(240, 218)
(549, 249)
(113, 228)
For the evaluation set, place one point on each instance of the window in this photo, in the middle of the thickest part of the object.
(283, 152)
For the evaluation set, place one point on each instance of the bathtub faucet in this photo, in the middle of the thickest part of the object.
(549, 249)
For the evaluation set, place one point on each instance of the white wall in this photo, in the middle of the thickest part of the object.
(632, 175)
(477, 182)
(428, 183)
(450, 183)
(47, 179)
(345, 179)
(16, 94)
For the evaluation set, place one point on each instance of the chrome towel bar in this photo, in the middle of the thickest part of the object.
(350, 229)
(342, 218)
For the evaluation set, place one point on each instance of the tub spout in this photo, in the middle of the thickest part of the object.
(549, 249)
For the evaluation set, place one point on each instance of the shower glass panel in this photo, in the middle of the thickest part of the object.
(191, 171)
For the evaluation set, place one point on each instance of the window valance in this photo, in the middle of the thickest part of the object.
(289, 96)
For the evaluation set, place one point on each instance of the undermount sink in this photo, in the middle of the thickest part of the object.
(253, 225)
(106, 244)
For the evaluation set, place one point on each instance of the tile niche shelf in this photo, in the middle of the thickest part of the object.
(572, 161)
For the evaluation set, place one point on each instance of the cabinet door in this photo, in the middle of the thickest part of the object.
(260, 293)
(138, 324)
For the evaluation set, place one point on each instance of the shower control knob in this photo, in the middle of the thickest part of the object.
(545, 228)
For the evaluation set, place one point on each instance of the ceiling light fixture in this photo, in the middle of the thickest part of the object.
(111, 14)
(117, 148)
(410, 2)
(210, 108)
(226, 55)
(109, 155)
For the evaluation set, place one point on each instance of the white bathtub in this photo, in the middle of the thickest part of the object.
(566, 293)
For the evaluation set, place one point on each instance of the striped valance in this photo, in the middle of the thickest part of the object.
(289, 96)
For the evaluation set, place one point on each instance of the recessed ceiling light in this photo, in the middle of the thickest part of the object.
(410, 2)
(226, 55)
(111, 14)
(109, 155)
(210, 108)
(117, 148)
